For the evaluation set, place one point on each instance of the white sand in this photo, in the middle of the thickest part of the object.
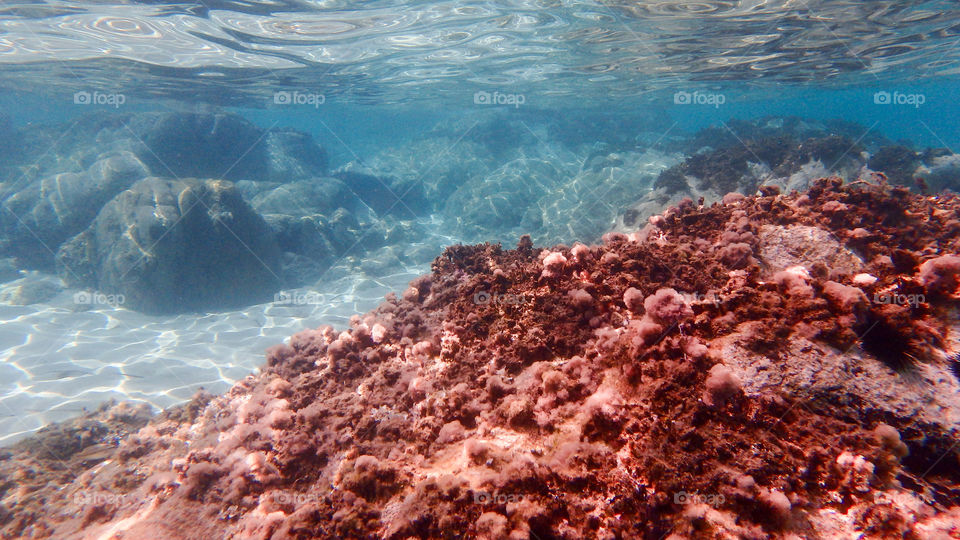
(55, 360)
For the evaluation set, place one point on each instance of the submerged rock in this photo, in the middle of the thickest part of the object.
(38, 218)
(57, 178)
(660, 383)
(774, 162)
(171, 246)
(388, 196)
(33, 288)
(218, 146)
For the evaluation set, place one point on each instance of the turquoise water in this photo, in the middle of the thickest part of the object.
(467, 105)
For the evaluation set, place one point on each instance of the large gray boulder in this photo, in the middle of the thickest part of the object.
(55, 179)
(322, 195)
(316, 222)
(172, 246)
(219, 146)
(399, 196)
(43, 214)
(293, 155)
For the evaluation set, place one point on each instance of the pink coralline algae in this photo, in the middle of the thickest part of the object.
(553, 264)
(666, 384)
(667, 307)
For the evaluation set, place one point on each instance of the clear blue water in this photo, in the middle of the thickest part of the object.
(373, 79)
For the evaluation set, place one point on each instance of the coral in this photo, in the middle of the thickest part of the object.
(580, 298)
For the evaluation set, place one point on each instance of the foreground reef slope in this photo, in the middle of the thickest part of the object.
(772, 366)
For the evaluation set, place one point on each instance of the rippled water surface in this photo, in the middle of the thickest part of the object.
(386, 51)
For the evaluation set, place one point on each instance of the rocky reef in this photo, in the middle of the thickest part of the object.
(105, 202)
(789, 153)
(771, 366)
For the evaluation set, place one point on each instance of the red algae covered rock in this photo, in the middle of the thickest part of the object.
(847, 298)
(732, 197)
(795, 281)
(941, 275)
(729, 373)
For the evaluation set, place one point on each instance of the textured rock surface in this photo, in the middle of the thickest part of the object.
(782, 247)
(501, 198)
(655, 385)
(388, 196)
(55, 179)
(176, 245)
(38, 218)
(218, 146)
